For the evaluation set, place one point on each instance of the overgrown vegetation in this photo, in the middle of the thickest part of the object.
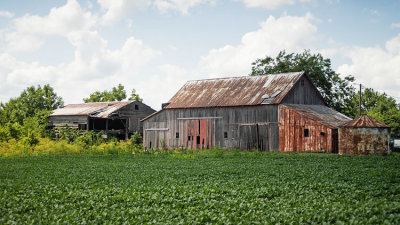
(189, 187)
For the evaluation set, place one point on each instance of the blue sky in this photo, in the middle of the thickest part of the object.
(154, 46)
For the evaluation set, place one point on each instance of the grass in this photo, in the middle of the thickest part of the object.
(200, 187)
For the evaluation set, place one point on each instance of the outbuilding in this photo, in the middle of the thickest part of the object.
(119, 119)
(275, 112)
(364, 136)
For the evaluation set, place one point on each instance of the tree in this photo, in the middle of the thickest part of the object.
(335, 90)
(376, 105)
(135, 96)
(115, 94)
(31, 102)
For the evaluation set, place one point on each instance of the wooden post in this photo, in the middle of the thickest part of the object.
(107, 127)
(126, 130)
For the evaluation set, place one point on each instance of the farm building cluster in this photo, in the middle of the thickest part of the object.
(277, 112)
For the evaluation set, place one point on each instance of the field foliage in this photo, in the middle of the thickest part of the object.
(191, 187)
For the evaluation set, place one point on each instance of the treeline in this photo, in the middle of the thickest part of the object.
(24, 123)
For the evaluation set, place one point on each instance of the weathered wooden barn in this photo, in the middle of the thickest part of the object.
(276, 112)
(117, 118)
(364, 136)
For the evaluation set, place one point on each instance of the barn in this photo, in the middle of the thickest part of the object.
(364, 136)
(119, 119)
(276, 112)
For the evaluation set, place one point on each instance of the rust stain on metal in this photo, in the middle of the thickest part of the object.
(236, 91)
(308, 128)
(95, 109)
(364, 140)
(364, 121)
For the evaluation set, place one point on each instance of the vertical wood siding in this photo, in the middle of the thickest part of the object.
(292, 135)
(246, 127)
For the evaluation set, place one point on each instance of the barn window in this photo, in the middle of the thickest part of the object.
(177, 135)
(225, 134)
(198, 139)
(136, 107)
(306, 133)
(322, 133)
(188, 138)
(302, 82)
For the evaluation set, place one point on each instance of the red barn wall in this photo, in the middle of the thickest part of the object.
(291, 133)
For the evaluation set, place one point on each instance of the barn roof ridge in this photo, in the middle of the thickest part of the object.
(248, 76)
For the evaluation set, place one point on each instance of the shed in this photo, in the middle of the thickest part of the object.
(117, 118)
(364, 136)
(249, 112)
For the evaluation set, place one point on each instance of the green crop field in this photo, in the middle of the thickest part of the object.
(213, 187)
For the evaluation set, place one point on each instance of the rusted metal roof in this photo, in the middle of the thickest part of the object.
(321, 114)
(235, 91)
(94, 109)
(364, 121)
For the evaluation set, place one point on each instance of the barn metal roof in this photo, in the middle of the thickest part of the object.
(235, 91)
(321, 114)
(94, 109)
(365, 121)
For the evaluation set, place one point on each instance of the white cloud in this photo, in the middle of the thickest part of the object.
(376, 67)
(26, 33)
(94, 66)
(160, 88)
(289, 33)
(115, 10)
(60, 21)
(182, 6)
(6, 14)
(270, 4)
(395, 25)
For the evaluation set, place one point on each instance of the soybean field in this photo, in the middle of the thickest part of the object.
(200, 188)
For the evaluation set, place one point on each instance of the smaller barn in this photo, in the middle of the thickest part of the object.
(119, 119)
(364, 136)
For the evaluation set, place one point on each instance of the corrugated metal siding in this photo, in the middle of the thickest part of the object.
(292, 124)
(237, 91)
(364, 140)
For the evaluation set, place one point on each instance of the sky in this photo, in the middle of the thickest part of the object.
(155, 46)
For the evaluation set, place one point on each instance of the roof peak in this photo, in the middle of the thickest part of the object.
(364, 121)
(251, 76)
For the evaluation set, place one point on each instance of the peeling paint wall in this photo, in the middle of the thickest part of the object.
(293, 137)
(364, 140)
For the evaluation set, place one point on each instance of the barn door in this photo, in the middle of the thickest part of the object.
(254, 136)
(199, 134)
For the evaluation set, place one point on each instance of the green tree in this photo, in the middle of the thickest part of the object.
(135, 97)
(379, 106)
(335, 90)
(32, 101)
(115, 94)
